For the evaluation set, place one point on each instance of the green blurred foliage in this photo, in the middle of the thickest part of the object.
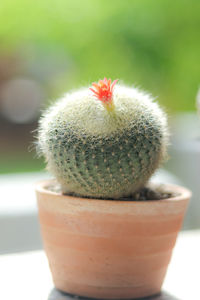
(19, 162)
(152, 44)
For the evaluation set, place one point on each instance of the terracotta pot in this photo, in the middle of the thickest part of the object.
(109, 249)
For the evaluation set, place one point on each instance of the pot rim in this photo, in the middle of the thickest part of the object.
(181, 192)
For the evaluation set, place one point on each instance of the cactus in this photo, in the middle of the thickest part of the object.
(103, 142)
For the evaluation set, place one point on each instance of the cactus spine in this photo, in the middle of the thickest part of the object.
(103, 151)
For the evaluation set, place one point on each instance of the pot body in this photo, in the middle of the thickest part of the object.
(109, 249)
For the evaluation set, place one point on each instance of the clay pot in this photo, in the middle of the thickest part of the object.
(109, 249)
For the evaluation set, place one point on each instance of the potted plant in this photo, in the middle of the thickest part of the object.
(107, 233)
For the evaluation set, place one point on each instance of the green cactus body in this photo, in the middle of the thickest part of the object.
(100, 153)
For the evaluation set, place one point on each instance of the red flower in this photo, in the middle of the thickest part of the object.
(103, 90)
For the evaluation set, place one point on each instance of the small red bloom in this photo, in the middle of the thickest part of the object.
(103, 90)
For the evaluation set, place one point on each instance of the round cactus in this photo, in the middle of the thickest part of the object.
(105, 141)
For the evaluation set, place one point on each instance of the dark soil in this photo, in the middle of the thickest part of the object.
(148, 193)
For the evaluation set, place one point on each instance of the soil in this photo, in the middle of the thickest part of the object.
(148, 193)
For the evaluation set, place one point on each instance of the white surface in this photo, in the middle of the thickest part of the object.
(183, 276)
(26, 276)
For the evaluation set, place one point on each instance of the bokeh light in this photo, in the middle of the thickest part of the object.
(20, 100)
(47, 49)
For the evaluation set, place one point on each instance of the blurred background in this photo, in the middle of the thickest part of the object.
(48, 48)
